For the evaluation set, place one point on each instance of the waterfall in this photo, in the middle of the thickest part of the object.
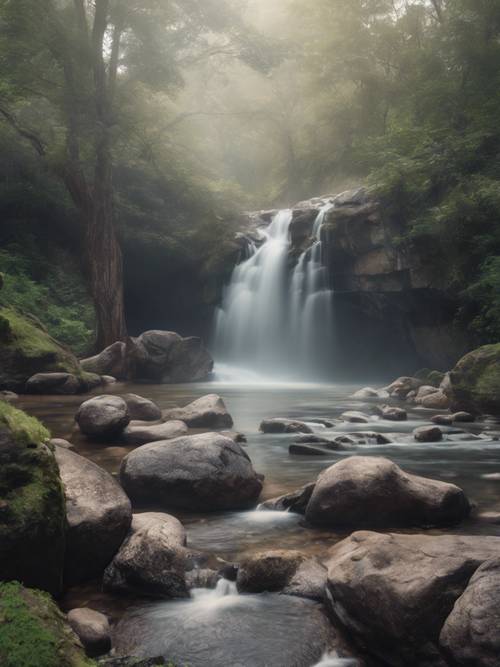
(274, 321)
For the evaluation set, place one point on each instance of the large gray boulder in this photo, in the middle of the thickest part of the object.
(206, 412)
(393, 593)
(205, 472)
(471, 634)
(152, 559)
(111, 361)
(163, 356)
(103, 416)
(278, 425)
(368, 492)
(141, 409)
(92, 629)
(65, 384)
(138, 433)
(98, 515)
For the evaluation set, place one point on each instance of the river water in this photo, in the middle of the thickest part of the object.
(467, 459)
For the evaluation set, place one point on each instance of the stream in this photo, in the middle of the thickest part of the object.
(220, 627)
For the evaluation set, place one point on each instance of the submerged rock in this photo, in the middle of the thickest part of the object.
(103, 416)
(278, 425)
(92, 628)
(98, 516)
(152, 559)
(374, 492)
(32, 536)
(393, 593)
(205, 472)
(355, 417)
(141, 409)
(206, 412)
(138, 433)
(474, 383)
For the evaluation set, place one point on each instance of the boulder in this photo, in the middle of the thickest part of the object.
(205, 472)
(368, 393)
(433, 378)
(309, 439)
(393, 414)
(363, 438)
(33, 631)
(374, 492)
(401, 387)
(109, 362)
(463, 417)
(474, 383)
(32, 539)
(138, 433)
(141, 409)
(277, 425)
(355, 417)
(290, 502)
(66, 384)
(103, 416)
(268, 571)
(92, 629)
(98, 515)
(152, 559)
(425, 390)
(163, 356)
(27, 349)
(435, 401)
(471, 634)
(393, 593)
(235, 435)
(308, 581)
(442, 420)
(206, 412)
(60, 442)
(428, 434)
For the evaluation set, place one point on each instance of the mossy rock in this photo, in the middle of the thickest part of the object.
(34, 632)
(432, 378)
(26, 349)
(32, 505)
(475, 381)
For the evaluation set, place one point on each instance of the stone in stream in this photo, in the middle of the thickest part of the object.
(474, 383)
(268, 571)
(436, 401)
(206, 412)
(393, 593)
(471, 634)
(362, 492)
(278, 425)
(141, 409)
(392, 414)
(310, 439)
(234, 435)
(92, 629)
(369, 393)
(355, 417)
(363, 438)
(401, 387)
(205, 472)
(463, 417)
(98, 516)
(139, 433)
(428, 434)
(152, 559)
(103, 417)
(442, 420)
(290, 502)
(54, 383)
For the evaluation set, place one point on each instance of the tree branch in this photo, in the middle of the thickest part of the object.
(30, 136)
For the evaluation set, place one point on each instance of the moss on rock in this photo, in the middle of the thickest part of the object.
(34, 633)
(26, 349)
(32, 506)
(475, 381)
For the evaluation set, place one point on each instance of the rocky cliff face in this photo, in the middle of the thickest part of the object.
(390, 305)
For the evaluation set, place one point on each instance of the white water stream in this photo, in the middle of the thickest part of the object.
(276, 320)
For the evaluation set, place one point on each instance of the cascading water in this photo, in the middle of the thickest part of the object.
(274, 321)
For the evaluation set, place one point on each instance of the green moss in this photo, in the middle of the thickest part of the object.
(25, 429)
(33, 632)
(475, 380)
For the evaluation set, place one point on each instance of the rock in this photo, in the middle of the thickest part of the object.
(401, 387)
(234, 435)
(471, 634)
(374, 492)
(33, 631)
(309, 581)
(110, 362)
(393, 593)
(442, 420)
(98, 515)
(474, 383)
(363, 438)
(268, 571)
(463, 417)
(131, 661)
(306, 450)
(425, 390)
(310, 439)
(205, 472)
(141, 409)
(291, 502)
(55, 383)
(206, 412)
(32, 539)
(278, 425)
(393, 414)
(92, 628)
(205, 578)
(366, 394)
(428, 434)
(108, 379)
(435, 401)
(27, 349)
(138, 433)
(152, 559)
(60, 442)
(103, 416)
(429, 377)
(163, 356)
(8, 396)
(354, 417)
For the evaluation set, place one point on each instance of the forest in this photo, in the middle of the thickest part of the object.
(249, 333)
